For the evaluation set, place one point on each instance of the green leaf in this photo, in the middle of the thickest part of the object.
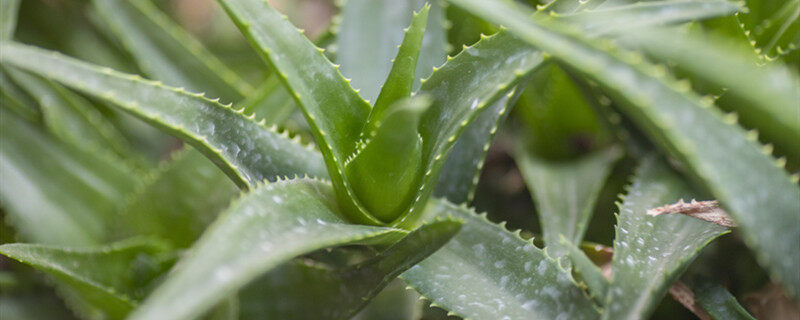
(766, 96)
(650, 253)
(333, 110)
(717, 301)
(486, 272)
(338, 293)
(111, 277)
(461, 171)
(55, 193)
(642, 14)
(773, 29)
(586, 270)
(167, 52)
(565, 192)
(395, 302)
(178, 201)
(72, 118)
(247, 151)
(691, 130)
(400, 79)
(265, 228)
(384, 172)
(369, 33)
(8, 13)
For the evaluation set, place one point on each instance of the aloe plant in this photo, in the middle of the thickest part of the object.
(246, 218)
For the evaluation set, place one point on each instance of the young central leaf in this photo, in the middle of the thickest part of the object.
(384, 170)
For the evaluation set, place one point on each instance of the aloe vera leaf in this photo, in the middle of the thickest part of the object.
(338, 293)
(642, 14)
(167, 52)
(333, 110)
(650, 253)
(245, 150)
(384, 172)
(110, 277)
(769, 93)
(717, 301)
(266, 227)
(691, 130)
(8, 14)
(368, 36)
(461, 171)
(177, 201)
(55, 193)
(72, 118)
(452, 100)
(487, 272)
(395, 302)
(586, 270)
(565, 192)
(772, 27)
(398, 83)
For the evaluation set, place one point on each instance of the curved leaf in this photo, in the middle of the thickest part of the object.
(486, 272)
(168, 53)
(265, 228)
(773, 29)
(760, 194)
(565, 192)
(768, 94)
(247, 151)
(331, 293)
(55, 193)
(642, 14)
(650, 253)
(111, 278)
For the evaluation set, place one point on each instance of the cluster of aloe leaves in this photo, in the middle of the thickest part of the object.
(381, 202)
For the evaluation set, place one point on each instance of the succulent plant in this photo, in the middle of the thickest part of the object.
(382, 200)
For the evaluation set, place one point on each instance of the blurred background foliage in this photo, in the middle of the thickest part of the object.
(555, 113)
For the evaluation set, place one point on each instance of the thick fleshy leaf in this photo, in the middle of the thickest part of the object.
(766, 97)
(369, 34)
(461, 171)
(758, 193)
(565, 192)
(642, 14)
(401, 77)
(338, 293)
(586, 270)
(178, 201)
(111, 277)
(72, 118)
(264, 229)
(650, 253)
(55, 193)
(333, 110)
(715, 300)
(487, 272)
(8, 13)
(247, 151)
(773, 27)
(167, 52)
